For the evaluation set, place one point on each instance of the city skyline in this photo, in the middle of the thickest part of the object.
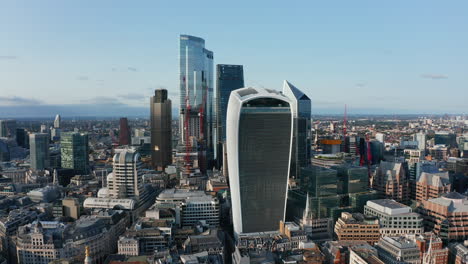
(376, 58)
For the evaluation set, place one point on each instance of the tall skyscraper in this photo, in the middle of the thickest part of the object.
(39, 151)
(196, 91)
(161, 129)
(259, 137)
(420, 137)
(126, 180)
(57, 121)
(74, 151)
(301, 108)
(228, 79)
(125, 134)
(21, 139)
(7, 128)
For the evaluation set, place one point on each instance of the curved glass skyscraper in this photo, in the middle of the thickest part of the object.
(259, 138)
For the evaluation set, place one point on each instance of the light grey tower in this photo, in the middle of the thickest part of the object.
(126, 180)
(196, 92)
(39, 151)
(57, 121)
(301, 108)
(259, 136)
(161, 129)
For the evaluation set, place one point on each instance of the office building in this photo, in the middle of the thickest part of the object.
(394, 218)
(432, 185)
(357, 227)
(189, 207)
(22, 138)
(57, 121)
(432, 249)
(196, 92)
(259, 138)
(71, 207)
(420, 137)
(161, 129)
(445, 138)
(124, 132)
(228, 78)
(74, 152)
(438, 152)
(398, 249)
(391, 181)
(7, 128)
(447, 216)
(126, 179)
(39, 151)
(380, 137)
(301, 108)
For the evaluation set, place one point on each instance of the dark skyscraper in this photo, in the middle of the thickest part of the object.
(39, 154)
(301, 108)
(161, 129)
(258, 137)
(124, 135)
(21, 137)
(228, 79)
(74, 151)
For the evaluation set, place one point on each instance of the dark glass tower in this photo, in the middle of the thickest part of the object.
(301, 107)
(258, 137)
(228, 79)
(124, 136)
(161, 130)
(74, 152)
(39, 151)
(21, 137)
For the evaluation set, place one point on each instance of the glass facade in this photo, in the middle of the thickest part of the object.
(263, 155)
(39, 151)
(352, 179)
(301, 105)
(74, 152)
(161, 129)
(196, 84)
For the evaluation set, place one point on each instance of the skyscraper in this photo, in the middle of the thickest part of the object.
(39, 151)
(301, 108)
(124, 135)
(7, 128)
(74, 151)
(21, 139)
(126, 179)
(57, 121)
(161, 129)
(259, 137)
(228, 79)
(196, 91)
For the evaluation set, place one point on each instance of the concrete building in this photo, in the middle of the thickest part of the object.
(188, 206)
(364, 255)
(46, 194)
(126, 179)
(161, 129)
(357, 227)
(259, 142)
(391, 181)
(39, 151)
(432, 185)
(438, 152)
(394, 218)
(447, 216)
(71, 207)
(398, 249)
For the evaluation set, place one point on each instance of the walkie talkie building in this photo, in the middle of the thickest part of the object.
(259, 137)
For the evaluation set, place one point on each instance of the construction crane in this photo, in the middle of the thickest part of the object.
(345, 120)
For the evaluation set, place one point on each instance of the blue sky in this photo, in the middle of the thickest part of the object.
(384, 56)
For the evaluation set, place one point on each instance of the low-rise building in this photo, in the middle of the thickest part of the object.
(357, 227)
(432, 185)
(398, 249)
(447, 216)
(394, 218)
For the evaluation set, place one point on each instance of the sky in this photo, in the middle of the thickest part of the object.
(375, 56)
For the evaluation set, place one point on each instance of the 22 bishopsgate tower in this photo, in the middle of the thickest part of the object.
(259, 138)
(196, 94)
